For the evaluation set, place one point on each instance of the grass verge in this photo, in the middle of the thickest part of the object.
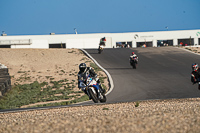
(36, 92)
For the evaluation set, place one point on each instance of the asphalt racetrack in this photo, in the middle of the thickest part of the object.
(162, 73)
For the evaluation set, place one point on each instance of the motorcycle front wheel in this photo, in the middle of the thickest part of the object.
(133, 65)
(103, 100)
(93, 96)
(100, 51)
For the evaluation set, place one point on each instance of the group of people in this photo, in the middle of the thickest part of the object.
(195, 75)
(84, 71)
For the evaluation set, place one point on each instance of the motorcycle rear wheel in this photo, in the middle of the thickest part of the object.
(93, 96)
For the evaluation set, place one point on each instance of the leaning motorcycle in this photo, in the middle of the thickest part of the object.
(93, 90)
(100, 49)
(133, 62)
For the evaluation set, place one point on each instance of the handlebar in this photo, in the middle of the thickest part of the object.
(83, 86)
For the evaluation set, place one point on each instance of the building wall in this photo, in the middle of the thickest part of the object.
(92, 40)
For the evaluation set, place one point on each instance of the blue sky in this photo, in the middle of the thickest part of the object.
(39, 17)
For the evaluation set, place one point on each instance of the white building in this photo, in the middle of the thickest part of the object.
(134, 39)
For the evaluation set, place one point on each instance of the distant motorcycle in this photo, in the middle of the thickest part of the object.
(133, 62)
(93, 90)
(100, 49)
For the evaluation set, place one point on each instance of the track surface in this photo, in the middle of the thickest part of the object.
(162, 73)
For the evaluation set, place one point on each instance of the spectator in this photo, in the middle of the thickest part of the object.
(181, 43)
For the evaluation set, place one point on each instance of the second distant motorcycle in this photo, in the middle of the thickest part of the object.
(133, 60)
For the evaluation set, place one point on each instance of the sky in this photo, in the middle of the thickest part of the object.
(42, 17)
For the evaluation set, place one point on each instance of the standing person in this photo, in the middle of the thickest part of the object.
(195, 75)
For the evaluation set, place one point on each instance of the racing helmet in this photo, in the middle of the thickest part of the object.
(82, 67)
(133, 53)
(195, 67)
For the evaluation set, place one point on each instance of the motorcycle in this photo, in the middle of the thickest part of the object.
(133, 62)
(100, 49)
(93, 90)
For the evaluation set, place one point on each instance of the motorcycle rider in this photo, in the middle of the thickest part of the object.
(83, 73)
(195, 75)
(102, 43)
(132, 56)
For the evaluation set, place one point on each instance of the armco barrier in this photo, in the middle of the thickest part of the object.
(5, 80)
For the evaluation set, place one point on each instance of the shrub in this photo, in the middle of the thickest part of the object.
(105, 109)
(102, 79)
(137, 104)
(95, 67)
